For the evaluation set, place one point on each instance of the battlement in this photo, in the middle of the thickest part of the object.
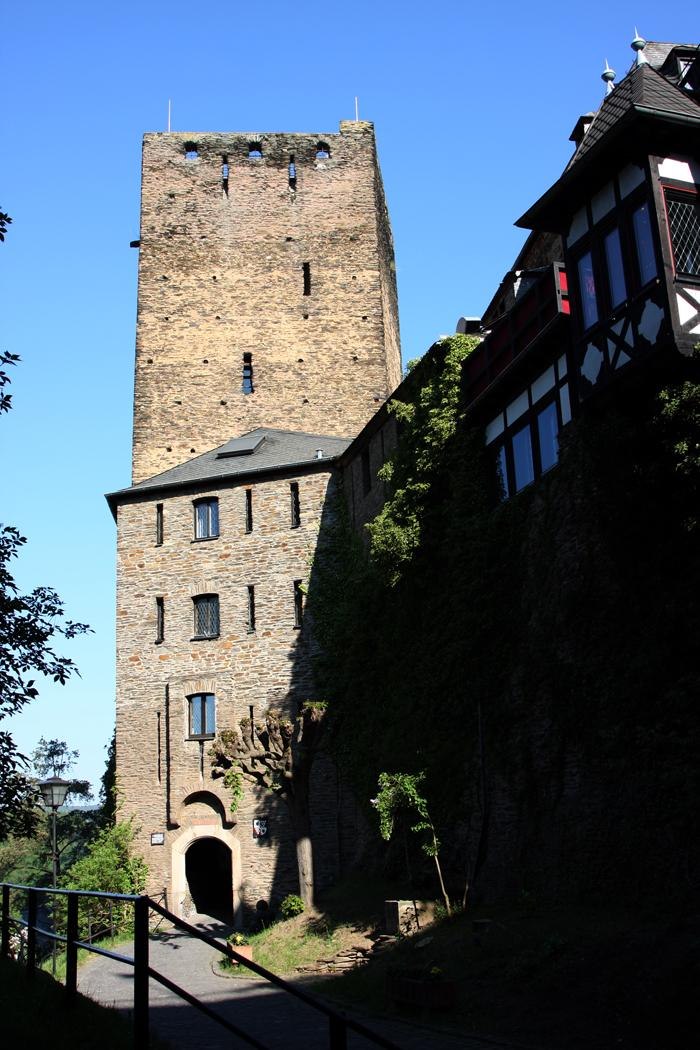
(267, 293)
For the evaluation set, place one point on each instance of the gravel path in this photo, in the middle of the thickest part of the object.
(272, 1016)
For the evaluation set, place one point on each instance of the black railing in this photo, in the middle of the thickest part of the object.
(338, 1023)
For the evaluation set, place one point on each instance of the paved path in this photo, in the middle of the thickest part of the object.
(271, 1016)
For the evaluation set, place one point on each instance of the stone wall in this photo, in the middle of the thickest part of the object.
(221, 274)
(164, 777)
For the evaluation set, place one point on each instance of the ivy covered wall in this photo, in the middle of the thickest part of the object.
(536, 657)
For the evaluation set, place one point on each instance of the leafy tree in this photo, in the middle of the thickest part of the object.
(28, 625)
(400, 796)
(110, 866)
(277, 755)
(108, 785)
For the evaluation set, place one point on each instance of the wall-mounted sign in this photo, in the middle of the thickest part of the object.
(259, 828)
(157, 838)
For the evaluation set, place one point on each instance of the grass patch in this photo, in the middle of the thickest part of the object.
(287, 946)
(35, 1013)
(122, 943)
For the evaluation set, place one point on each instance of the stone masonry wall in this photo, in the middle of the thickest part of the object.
(221, 275)
(164, 778)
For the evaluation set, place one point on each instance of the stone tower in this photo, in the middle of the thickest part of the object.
(267, 337)
(267, 294)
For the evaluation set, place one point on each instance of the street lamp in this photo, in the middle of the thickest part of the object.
(54, 791)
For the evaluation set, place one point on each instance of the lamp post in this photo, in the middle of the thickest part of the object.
(54, 791)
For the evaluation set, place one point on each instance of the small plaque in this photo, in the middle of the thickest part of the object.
(259, 828)
(157, 838)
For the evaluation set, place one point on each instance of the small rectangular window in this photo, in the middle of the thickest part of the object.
(644, 242)
(159, 524)
(366, 471)
(202, 715)
(586, 282)
(251, 608)
(616, 272)
(248, 510)
(295, 504)
(298, 603)
(247, 384)
(160, 620)
(522, 458)
(306, 268)
(206, 616)
(206, 519)
(684, 223)
(548, 434)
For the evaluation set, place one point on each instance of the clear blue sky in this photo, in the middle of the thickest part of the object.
(473, 105)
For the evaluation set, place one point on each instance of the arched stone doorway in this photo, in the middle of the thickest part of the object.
(201, 818)
(209, 875)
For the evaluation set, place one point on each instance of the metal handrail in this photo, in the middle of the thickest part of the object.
(339, 1023)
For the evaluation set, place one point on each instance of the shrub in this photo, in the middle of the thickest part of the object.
(291, 906)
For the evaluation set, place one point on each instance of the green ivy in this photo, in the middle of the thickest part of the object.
(234, 782)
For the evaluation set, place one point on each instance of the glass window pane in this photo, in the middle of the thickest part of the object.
(646, 258)
(548, 430)
(214, 517)
(209, 716)
(517, 408)
(522, 458)
(502, 468)
(565, 404)
(616, 273)
(201, 520)
(684, 219)
(543, 383)
(196, 715)
(586, 281)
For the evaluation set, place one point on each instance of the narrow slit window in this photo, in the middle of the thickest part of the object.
(251, 608)
(160, 620)
(224, 173)
(159, 524)
(298, 603)
(306, 269)
(295, 504)
(292, 173)
(247, 386)
(248, 510)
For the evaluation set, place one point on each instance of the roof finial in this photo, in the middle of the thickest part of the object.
(608, 76)
(638, 45)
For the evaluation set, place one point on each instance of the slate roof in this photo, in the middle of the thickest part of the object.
(643, 93)
(260, 451)
(643, 88)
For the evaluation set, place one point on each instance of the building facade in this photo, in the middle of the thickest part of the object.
(267, 335)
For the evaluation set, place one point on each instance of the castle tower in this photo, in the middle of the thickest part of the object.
(267, 294)
(267, 336)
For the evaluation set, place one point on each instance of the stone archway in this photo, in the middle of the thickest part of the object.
(199, 825)
(209, 875)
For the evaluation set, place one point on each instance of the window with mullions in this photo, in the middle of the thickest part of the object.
(684, 225)
(201, 715)
(206, 519)
(525, 435)
(206, 616)
(644, 244)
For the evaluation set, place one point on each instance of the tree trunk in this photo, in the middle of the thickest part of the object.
(301, 822)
